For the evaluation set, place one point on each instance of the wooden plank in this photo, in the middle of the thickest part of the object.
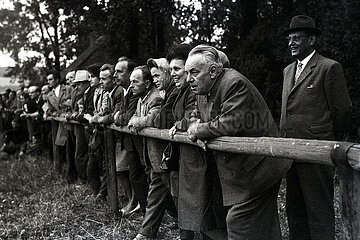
(112, 192)
(349, 198)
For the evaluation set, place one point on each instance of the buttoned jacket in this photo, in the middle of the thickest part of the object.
(317, 105)
(56, 104)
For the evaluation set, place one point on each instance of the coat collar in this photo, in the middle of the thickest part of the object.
(307, 70)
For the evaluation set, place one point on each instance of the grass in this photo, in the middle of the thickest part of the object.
(37, 203)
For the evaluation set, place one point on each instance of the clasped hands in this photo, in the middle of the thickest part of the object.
(192, 131)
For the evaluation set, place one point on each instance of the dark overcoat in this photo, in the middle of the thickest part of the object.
(234, 107)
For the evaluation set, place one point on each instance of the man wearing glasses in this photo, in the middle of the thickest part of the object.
(315, 102)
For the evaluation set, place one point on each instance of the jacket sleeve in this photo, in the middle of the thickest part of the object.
(190, 101)
(337, 97)
(165, 118)
(148, 119)
(228, 121)
(128, 111)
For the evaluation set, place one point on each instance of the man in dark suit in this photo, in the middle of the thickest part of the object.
(315, 102)
(228, 104)
(115, 102)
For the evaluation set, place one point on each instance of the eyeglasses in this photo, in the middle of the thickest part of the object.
(296, 38)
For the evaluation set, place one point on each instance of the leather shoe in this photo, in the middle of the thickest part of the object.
(139, 236)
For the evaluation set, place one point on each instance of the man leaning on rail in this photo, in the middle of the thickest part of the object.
(250, 184)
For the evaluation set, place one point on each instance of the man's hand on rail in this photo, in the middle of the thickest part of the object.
(172, 131)
(192, 131)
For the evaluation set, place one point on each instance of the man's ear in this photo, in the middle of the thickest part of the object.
(312, 40)
(148, 83)
(213, 71)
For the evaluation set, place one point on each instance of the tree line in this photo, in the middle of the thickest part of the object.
(250, 32)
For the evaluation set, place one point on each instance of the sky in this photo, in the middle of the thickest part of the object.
(5, 59)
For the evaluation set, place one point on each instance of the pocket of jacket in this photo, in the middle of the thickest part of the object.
(321, 128)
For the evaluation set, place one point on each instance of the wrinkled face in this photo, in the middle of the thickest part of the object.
(178, 74)
(121, 74)
(106, 80)
(161, 78)
(94, 80)
(33, 94)
(70, 76)
(300, 44)
(80, 87)
(12, 95)
(138, 85)
(52, 81)
(198, 74)
(44, 92)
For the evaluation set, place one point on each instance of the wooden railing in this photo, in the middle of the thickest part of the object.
(343, 155)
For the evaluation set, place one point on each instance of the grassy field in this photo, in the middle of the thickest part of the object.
(37, 203)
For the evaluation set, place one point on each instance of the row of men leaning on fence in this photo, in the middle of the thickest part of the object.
(194, 90)
(162, 94)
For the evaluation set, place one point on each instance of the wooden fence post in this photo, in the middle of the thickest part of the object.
(56, 149)
(349, 191)
(111, 171)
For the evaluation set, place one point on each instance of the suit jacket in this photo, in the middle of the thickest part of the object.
(183, 106)
(234, 107)
(56, 104)
(317, 105)
(126, 111)
(165, 118)
(147, 109)
(116, 102)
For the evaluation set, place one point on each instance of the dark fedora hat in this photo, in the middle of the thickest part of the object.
(302, 23)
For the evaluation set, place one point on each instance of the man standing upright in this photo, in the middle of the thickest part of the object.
(315, 102)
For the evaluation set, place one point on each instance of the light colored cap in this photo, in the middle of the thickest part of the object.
(81, 76)
(33, 89)
(158, 63)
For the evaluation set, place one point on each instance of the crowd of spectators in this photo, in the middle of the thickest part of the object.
(191, 90)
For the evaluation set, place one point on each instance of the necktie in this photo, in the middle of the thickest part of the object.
(298, 71)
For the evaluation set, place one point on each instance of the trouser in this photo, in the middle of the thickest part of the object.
(71, 172)
(256, 219)
(46, 136)
(96, 157)
(81, 152)
(159, 199)
(137, 174)
(309, 201)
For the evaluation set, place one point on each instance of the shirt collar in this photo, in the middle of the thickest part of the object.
(306, 60)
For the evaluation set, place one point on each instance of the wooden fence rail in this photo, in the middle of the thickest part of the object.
(343, 155)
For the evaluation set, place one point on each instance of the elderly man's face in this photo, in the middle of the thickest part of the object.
(161, 78)
(106, 80)
(80, 87)
(300, 44)
(52, 81)
(138, 85)
(198, 74)
(121, 74)
(33, 94)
